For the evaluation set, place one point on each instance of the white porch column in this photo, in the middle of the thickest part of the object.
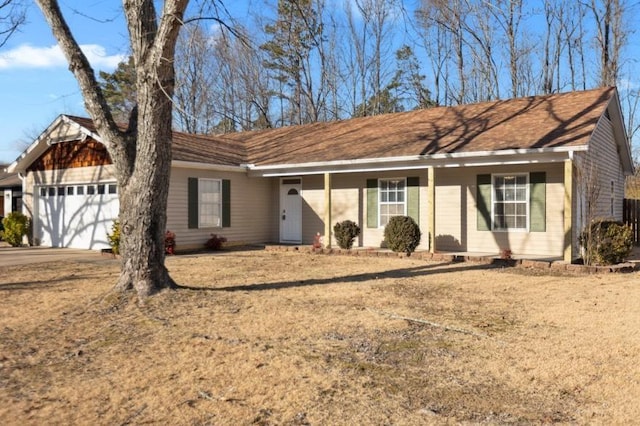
(327, 210)
(431, 207)
(568, 207)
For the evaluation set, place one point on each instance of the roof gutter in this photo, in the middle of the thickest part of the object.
(207, 166)
(463, 159)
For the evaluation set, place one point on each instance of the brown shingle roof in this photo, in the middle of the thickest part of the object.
(525, 123)
(207, 149)
(559, 120)
(194, 148)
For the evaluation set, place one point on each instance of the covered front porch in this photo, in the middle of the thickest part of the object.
(445, 201)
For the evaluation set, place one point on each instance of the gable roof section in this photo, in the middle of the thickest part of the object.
(560, 121)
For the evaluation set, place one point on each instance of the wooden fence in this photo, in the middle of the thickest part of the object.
(631, 216)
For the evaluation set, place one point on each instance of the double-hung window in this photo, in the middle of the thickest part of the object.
(392, 199)
(510, 202)
(209, 203)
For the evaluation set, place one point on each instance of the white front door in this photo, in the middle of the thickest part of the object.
(291, 210)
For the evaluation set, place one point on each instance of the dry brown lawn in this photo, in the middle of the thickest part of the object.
(292, 339)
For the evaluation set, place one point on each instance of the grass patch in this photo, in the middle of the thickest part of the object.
(281, 338)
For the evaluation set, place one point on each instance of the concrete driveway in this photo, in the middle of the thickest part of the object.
(29, 255)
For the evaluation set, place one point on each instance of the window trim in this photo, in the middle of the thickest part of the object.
(380, 202)
(527, 202)
(219, 203)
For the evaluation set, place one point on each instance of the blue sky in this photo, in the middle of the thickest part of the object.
(35, 82)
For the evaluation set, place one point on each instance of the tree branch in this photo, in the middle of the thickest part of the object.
(95, 101)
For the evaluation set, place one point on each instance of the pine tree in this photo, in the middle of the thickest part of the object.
(294, 35)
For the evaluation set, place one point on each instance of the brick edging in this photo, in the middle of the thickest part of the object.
(543, 265)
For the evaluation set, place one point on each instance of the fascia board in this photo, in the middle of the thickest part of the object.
(498, 158)
(620, 133)
(206, 166)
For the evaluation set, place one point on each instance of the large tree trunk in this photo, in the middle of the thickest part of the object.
(143, 204)
(141, 154)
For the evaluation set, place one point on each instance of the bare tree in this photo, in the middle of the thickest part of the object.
(551, 48)
(141, 154)
(588, 188)
(12, 16)
(194, 95)
(370, 26)
(436, 43)
(611, 37)
(572, 27)
(508, 15)
(243, 84)
(449, 18)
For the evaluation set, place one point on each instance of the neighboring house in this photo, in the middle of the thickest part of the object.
(10, 191)
(515, 175)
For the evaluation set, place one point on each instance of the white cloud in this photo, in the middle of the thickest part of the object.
(27, 56)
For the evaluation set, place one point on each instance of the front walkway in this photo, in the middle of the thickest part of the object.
(12, 256)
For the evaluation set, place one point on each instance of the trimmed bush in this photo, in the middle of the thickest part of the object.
(114, 237)
(402, 234)
(345, 233)
(215, 242)
(606, 242)
(16, 226)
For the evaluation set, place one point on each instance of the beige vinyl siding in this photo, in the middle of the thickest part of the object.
(594, 171)
(312, 207)
(79, 175)
(602, 162)
(456, 214)
(251, 212)
(349, 202)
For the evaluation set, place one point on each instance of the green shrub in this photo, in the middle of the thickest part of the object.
(114, 237)
(16, 226)
(215, 242)
(606, 242)
(345, 233)
(402, 234)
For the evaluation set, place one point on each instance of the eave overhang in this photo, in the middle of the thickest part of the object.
(464, 159)
(622, 140)
(207, 166)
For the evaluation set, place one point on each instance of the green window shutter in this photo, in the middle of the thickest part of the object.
(372, 203)
(226, 203)
(537, 202)
(484, 202)
(413, 198)
(192, 203)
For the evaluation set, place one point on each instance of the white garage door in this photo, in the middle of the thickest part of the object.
(77, 216)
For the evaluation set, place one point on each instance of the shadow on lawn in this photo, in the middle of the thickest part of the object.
(418, 271)
(40, 285)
